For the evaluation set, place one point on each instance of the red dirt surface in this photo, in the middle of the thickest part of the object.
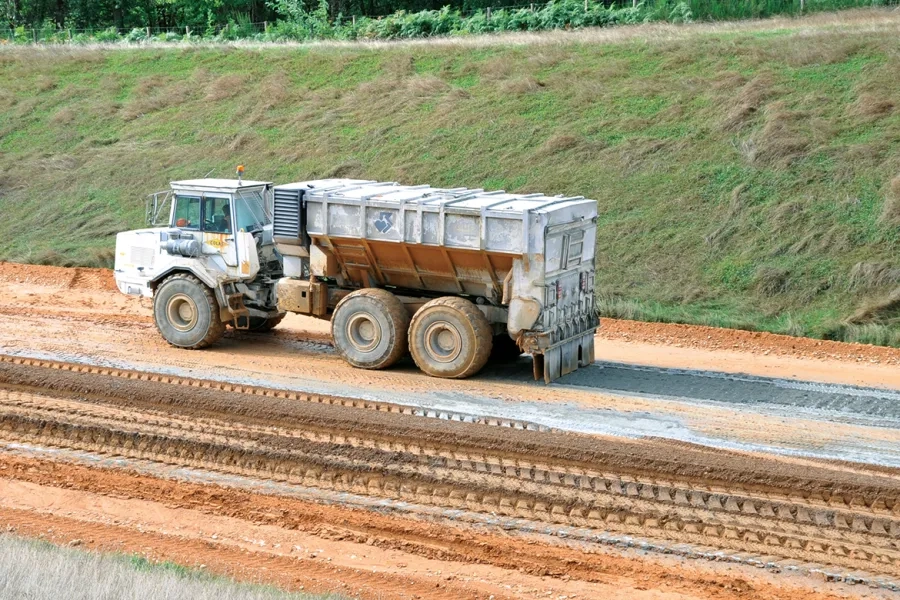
(79, 313)
(297, 545)
(630, 332)
(712, 338)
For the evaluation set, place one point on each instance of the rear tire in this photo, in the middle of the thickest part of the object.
(449, 337)
(369, 328)
(186, 312)
(264, 325)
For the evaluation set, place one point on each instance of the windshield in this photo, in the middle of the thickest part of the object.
(249, 212)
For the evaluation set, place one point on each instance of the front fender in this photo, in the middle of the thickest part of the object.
(201, 275)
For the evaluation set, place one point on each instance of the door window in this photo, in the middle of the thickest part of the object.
(187, 213)
(217, 217)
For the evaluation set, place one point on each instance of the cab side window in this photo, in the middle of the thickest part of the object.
(187, 213)
(218, 215)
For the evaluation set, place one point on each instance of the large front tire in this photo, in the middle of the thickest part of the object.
(369, 328)
(449, 337)
(186, 312)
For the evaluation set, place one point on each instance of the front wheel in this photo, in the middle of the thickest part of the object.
(449, 337)
(186, 312)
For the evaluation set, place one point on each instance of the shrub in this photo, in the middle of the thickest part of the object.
(108, 35)
(138, 34)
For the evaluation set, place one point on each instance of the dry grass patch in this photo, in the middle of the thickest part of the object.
(64, 116)
(560, 143)
(7, 99)
(152, 95)
(247, 142)
(425, 86)
(43, 83)
(224, 87)
(872, 106)
(274, 90)
(781, 140)
(868, 275)
(749, 100)
(727, 226)
(399, 66)
(890, 212)
(771, 281)
(522, 85)
(802, 51)
(877, 310)
(498, 68)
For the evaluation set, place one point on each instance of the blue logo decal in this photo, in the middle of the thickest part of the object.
(384, 222)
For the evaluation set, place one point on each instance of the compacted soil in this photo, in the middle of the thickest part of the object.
(268, 459)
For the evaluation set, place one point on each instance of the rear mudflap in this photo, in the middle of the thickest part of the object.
(564, 357)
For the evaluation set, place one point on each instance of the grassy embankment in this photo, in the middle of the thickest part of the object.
(747, 176)
(39, 570)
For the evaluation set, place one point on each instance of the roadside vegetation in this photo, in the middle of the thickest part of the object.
(41, 571)
(746, 176)
(169, 21)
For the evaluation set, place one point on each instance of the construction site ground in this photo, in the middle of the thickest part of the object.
(688, 462)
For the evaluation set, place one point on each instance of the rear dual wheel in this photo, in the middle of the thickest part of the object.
(450, 337)
(369, 328)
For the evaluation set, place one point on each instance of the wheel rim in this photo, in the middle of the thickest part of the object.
(443, 341)
(364, 332)
(182, 312)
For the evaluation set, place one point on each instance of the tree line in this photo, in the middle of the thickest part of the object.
(198, 15)
(169, 20)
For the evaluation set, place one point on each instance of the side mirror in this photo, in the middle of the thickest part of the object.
(157, 208)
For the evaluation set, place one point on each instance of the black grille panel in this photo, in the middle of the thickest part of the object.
(288, 221)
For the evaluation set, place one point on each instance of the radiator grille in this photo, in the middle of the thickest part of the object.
(287, 214)
(142, 256)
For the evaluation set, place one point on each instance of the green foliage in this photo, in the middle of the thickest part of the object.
(299, 20)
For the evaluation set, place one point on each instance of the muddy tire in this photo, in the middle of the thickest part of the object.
(186, 312)
(505, 349)
(449, 337)
(263, 325)
(369, 328)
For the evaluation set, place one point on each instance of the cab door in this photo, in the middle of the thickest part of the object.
(218, 229)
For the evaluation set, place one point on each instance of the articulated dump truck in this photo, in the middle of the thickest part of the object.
(452, 276)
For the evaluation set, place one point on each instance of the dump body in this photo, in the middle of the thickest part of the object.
(526, 259)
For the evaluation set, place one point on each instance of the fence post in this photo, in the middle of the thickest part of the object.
(532, 7)
(488, 13)
(802, 4)
(265, 27)
(70, 35)
(633, 3)
(34, 35)
(354, 21)
(585, 5)
(187, 31)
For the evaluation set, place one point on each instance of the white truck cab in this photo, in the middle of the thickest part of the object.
(218, 233)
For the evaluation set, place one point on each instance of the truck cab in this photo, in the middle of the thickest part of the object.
(214, 234)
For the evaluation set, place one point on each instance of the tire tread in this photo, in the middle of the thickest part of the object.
(396, 313)
(216, 326)
(484, 336)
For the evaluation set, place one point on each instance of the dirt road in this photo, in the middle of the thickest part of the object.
(511, 488)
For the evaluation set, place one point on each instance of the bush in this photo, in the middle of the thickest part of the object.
(108, 35)
(138, 34)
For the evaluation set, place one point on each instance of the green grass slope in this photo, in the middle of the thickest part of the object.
(746, 177)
